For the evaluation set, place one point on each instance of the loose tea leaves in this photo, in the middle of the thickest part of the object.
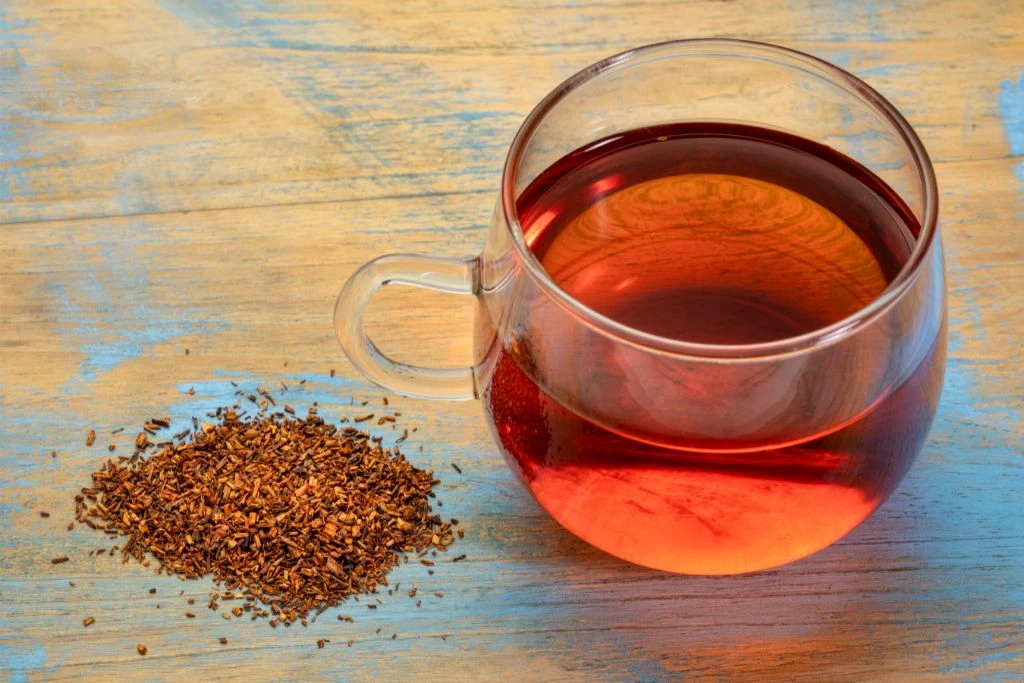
(295, 513)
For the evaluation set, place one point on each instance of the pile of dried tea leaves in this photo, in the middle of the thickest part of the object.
(294, 514)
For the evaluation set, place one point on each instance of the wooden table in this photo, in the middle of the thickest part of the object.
(184, 185)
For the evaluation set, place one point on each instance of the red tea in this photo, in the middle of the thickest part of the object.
(716, 234)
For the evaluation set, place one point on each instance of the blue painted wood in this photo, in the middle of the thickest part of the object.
(207, 179)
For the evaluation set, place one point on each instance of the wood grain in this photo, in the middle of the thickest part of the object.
(186, 174)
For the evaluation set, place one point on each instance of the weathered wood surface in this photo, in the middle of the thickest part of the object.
(204, 174)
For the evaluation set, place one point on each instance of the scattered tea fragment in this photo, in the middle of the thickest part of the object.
(459, 558)
(141, 649)
(296, 514)
(456, 468)
(60, 560)
(320, 643)
(90, 438)
(223, 640)
(44, 513)
(88, 621)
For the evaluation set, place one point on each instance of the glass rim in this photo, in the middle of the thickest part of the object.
(725, 47)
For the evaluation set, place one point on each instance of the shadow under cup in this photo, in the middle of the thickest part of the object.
(685, 456)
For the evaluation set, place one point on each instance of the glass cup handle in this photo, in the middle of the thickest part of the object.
(455, 276)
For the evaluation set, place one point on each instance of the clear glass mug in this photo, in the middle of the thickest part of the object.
(690, 457)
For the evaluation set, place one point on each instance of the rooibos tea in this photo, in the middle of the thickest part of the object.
(718, 234)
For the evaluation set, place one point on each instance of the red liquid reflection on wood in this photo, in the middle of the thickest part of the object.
(716, 234)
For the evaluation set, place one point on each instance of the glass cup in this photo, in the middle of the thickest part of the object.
(690, 457)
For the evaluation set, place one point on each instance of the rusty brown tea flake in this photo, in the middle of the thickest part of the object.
(294, 513)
